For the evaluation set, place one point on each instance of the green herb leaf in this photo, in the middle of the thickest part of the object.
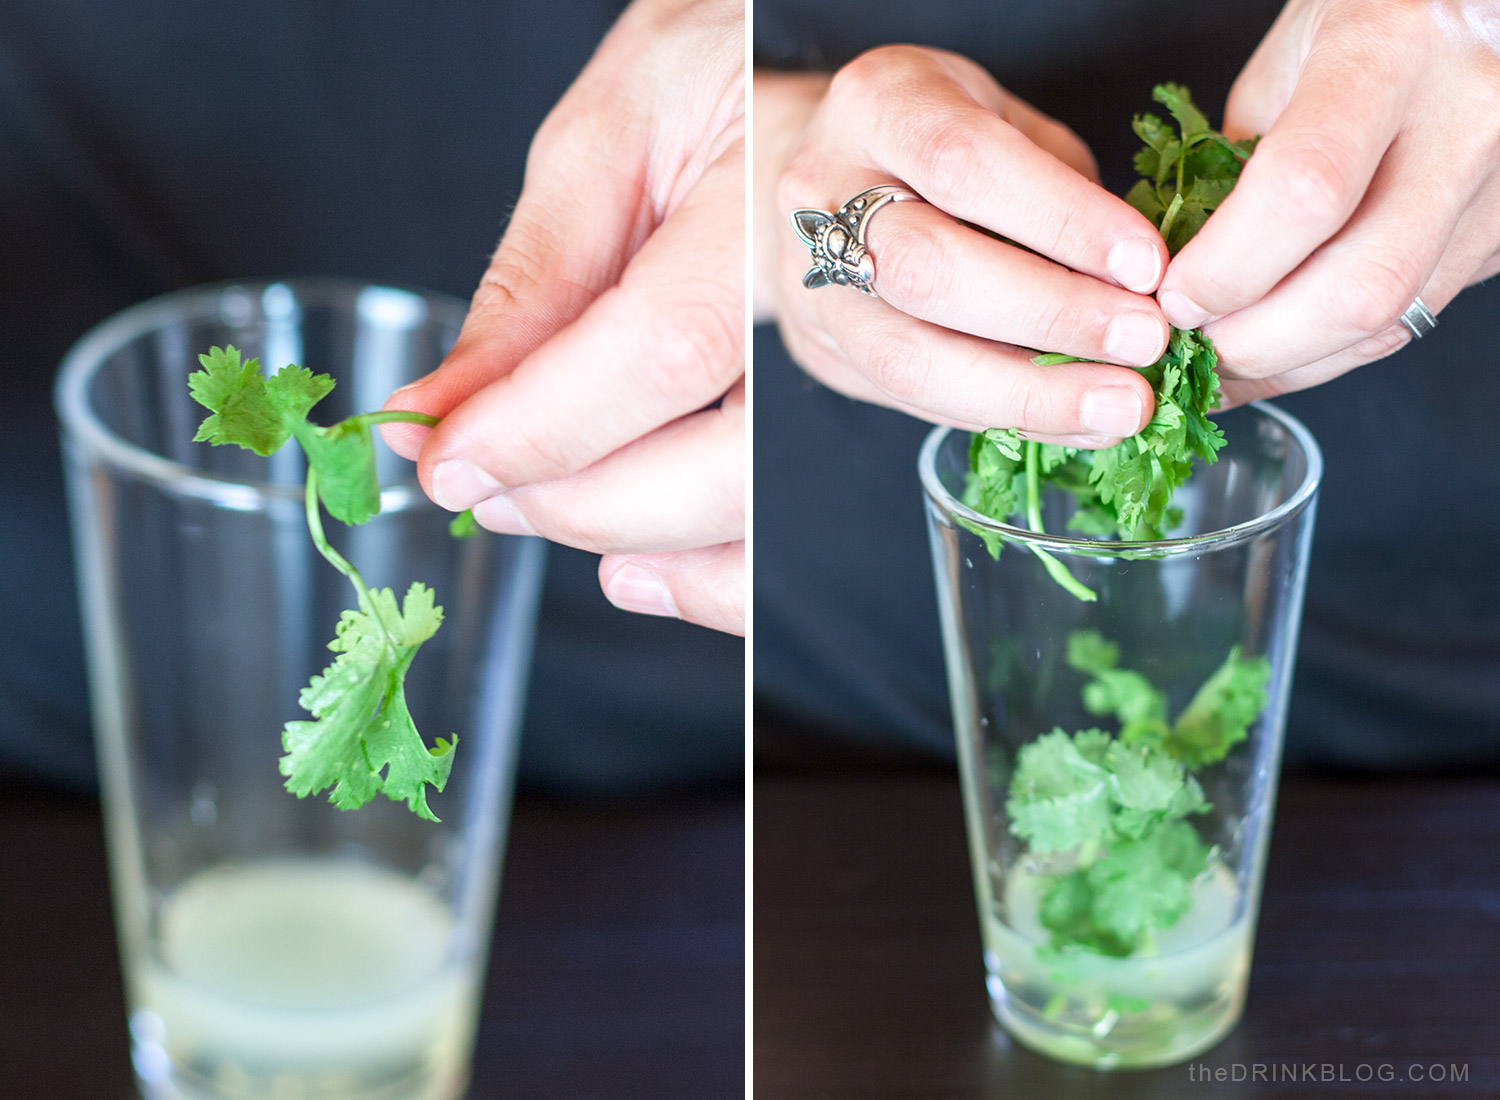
(1220, 714)
(1145, 884)
(1089, 651)
(1059, 797)
(464, 525)
(363, 741)
(1134, 856)
(1177, 99)
(344, 457)
(1126, 491)
(248, 409)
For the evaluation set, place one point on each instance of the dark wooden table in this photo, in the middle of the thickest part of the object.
(1378, 951)
(617, 969)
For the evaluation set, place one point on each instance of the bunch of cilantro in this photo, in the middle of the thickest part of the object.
(1125, 491)
(1119, 803)
(362, 741)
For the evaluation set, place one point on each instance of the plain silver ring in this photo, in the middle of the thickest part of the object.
(839, 254)
(1418, 319)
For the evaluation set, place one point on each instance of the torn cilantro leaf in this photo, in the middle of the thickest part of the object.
(362, 726)
(362, 741)
(1219, 715)
(1116, 806)
(250, 410)
(464, 525)
(1059, 797)
(344, 457)
(1126, 491)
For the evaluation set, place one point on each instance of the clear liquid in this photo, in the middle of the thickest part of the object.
(1155, 1008)
(304, 980)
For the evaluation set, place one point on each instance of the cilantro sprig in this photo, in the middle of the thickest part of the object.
(1118, 803)
(1126, 491)
(362, 740)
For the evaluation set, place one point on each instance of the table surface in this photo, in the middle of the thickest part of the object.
(1378, 952)
(616, 971)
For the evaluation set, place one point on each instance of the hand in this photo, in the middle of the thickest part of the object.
(950, 338)
(596, 393)
(1375, 182)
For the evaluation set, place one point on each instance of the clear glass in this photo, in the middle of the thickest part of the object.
(271, 946)
(1232, 575)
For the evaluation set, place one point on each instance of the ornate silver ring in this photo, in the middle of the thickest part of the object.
(1418, 319)
(837, 240)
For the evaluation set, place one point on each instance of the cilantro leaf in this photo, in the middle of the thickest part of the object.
(1141, 885)
(1059, 798)
(248, 409)
(1129, 696)
(1090, 651)
(1143, 777)
(1219, 715)
(1217, 718)
(1126, 491)
(463, 525)
(363, 740)
(1176, 99)
(344, 457)
(1118, 803)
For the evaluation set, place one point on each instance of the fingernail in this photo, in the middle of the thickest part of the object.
(457, 485)
(1182, 311)
(500, 514)
(1133, 338)
(635, 589)
(1110, 411)
(1135, 265)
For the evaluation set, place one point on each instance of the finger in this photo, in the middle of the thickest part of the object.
(956, 378)
(1303, 182)
(1464, 260)
(823, 359)
(930, 266)
(545, 271)
(1046, 132)
(682, 486)
(1239, 391)
(704, 586)
(664, 342)
(927, 131)
(1359, 283)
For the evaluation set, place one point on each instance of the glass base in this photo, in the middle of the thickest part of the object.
(1145, 1040)
(232, 1083)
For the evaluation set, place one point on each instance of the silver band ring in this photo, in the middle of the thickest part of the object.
(837, 240)
(1418, 319)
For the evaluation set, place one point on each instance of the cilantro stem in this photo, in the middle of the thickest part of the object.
(1033, 487)
(395, 416)
(320, 540)
(1057, 569)
(1171, 215)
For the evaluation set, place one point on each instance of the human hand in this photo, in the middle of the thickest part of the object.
(1375, 183)
(596, 393)
(949, 338)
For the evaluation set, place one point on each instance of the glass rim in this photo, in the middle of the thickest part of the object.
(81, 424)
(939, 497)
